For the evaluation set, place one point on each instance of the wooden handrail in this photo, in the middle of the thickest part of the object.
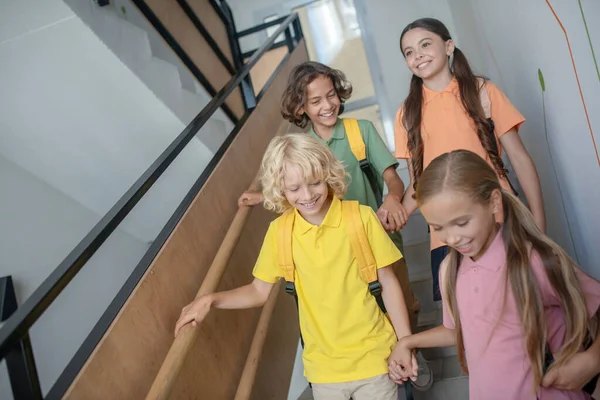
(171, 366)
(244, 389)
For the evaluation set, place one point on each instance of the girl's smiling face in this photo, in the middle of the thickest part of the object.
(426, 53)
(461, 223)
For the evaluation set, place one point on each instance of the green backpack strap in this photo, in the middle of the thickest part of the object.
(359, 149)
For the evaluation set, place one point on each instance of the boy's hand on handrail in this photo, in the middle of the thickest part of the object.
(254, 294)
(250, 198)
(194, 312)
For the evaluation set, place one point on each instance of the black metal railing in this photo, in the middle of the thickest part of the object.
(146, 10)
(15, 332)
(22, 372)
(226, 15)
(291, 32)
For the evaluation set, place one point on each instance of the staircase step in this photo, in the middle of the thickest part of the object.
(449, 383)
(436, 353)
(122, 36)
(418, 260)
(415, 232)
(454, 389)
(192, 104)
(451, 368)
(423, 291)
(429, 320)
(163, 79)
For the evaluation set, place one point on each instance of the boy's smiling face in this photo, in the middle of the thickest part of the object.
(322, 103)
(308, 195)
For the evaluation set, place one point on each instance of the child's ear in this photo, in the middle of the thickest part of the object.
(300, 112)
(496, 201)
(450, 46)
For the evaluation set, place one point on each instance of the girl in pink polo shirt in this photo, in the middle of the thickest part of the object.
(514, 303)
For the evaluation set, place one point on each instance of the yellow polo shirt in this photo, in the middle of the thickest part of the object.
(346, 336)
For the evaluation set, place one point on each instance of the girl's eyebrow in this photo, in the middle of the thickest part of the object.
(420, 41)
(459, 218)
(454, 220)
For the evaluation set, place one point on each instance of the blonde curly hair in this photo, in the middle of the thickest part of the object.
(315, 160)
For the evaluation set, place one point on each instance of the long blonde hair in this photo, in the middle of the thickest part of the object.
(465, 172)
(315, 160)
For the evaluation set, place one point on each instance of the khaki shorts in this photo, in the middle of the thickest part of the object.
(379, 387)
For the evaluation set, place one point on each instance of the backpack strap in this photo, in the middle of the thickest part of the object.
(359, 149)
(367, 266)
(284, 241)
(486, 104)
(357, 144)
(285, 231)
(484, 98)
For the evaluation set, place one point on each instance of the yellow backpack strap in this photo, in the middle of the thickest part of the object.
(357, 235)
(284, 241)
(285, 232)
(359, 149)
(357, 144)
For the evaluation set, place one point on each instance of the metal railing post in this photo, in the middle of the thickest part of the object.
(24, 380)
(289, 40)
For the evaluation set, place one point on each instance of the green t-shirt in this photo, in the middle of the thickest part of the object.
(377, 154)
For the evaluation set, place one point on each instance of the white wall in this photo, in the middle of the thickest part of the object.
(510, 47)
(73, 115)
(77, 128)
(40, 226)
(382, 22)
(129, 35)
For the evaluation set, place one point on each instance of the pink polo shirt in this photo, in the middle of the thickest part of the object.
(499, 368)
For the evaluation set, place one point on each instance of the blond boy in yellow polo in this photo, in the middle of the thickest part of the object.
(347, 338)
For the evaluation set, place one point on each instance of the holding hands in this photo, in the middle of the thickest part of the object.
(392, 214)
(402, 363)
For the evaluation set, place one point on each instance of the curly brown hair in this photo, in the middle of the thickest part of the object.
(294, 96)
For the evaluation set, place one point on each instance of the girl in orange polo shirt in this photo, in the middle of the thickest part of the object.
(443, 112)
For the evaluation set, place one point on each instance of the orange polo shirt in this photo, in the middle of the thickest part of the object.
(446, 126)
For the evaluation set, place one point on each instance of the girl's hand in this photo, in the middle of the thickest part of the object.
(402, 364)
(574, 373)
(194, 312)
(249, 198)
(392, 214)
